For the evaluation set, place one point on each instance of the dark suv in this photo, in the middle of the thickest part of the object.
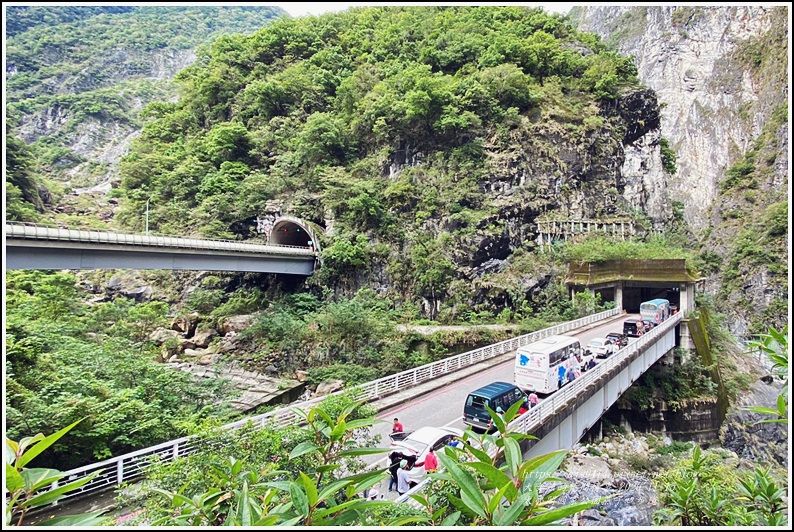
(633, 328)
(619, 339)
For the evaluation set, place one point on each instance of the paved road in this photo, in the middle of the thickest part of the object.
(443, 407)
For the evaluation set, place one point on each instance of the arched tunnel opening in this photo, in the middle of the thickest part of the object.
(286, 233)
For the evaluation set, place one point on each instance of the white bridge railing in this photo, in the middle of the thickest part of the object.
(537, 416)
(29, 231)
(131, 465)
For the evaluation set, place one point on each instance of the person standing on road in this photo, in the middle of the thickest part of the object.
(533, 398)
(561, 374)
(402, 478)
(397, 426)
(394, 459)
(431, 462)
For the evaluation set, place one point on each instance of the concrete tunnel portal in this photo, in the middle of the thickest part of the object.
(291, 232)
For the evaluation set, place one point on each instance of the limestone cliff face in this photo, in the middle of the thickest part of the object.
(721, 77)
(688, 56)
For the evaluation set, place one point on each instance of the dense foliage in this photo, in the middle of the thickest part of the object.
(23, 18)
(314, 112)
(67, 359)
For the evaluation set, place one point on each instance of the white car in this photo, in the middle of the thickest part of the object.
(600, 347)
(418, 442)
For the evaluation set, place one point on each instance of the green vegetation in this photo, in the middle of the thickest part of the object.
(668, 157)
(67, 359)
(310, 475)
(704, 490)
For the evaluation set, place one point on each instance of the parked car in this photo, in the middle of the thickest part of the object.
(416, 444)
(618, 339)
(600, 347)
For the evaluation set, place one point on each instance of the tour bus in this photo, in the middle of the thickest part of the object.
(655, 310)
(537, 364)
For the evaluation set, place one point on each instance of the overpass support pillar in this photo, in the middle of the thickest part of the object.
(687, 303)
(619, 294)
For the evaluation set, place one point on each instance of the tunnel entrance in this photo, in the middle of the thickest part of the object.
(634, 296)
(288, 233)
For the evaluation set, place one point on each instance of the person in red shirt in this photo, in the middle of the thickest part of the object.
(431, 462)
(397, 426)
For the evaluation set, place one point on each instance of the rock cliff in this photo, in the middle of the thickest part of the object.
(720, 75)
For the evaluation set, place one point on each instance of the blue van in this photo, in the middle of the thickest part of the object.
(495, 395)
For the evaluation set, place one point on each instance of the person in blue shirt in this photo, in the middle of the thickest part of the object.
(561, 374)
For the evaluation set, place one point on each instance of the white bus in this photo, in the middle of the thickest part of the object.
(537, 364)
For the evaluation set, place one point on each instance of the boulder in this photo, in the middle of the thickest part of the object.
(186, 343)
(329, 386)
(204, 336)
(237, 323)
(186, 324)
(206, 360)
(229, 342)
(162, 335)
(301, 375)
(196, 352)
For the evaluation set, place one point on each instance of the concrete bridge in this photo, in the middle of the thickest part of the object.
(37, 247)
(559, 421)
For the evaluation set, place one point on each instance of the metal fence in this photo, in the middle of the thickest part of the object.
(30, 231)
(529, 421)
(130, 466)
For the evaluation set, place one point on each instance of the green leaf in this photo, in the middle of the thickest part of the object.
(495, 475)
(451, 519)
(476, 504)
(466, 482)
(513, 455)
(43, 445)
(405, 519)
(357, 503)
(338, 431)
(303, 448)
(89, 519)
(541, 467)
(508, 516)
(14, 480)
(51, 496)
(243, 514)
(497, 420)
(299, 500)
(555, 515)
(362, 451)
(496, 499)
(311, 489)
(333, 487)
(38, 478)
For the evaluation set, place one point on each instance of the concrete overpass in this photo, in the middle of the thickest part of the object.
(36, 247)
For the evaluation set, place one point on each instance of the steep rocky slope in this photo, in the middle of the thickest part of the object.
(720, 74)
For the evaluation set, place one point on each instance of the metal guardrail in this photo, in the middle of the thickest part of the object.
(130, 466)
(538, 415)
(30, 231)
